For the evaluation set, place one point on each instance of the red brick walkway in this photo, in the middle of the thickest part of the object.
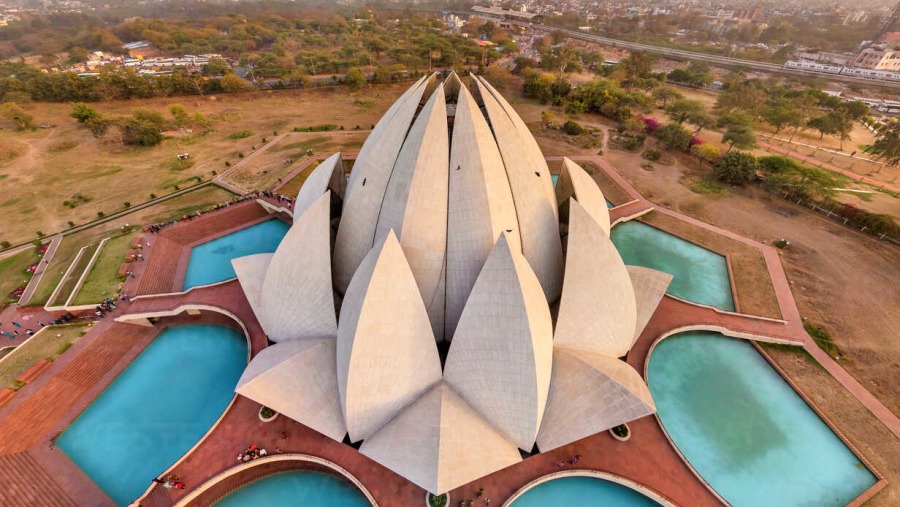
(56, 398)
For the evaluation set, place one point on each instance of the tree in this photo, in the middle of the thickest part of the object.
(682, 110)
(887, 143)
(739, 135)
(842, 125)
(12, 112)
(82, 112)
(216, 66)
(780, 114)
(736, 168)
(179, 114)
(664, 94)
(707, 152)
(821, 124)
(355, 78)
(231, 83)
(672, 135)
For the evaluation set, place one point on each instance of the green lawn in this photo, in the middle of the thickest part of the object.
(293, 185)
(49, 343)
(12, 271)
(103, 280)
(70, 282)
(70, 245)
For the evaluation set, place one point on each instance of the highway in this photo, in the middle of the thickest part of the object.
(721, 61)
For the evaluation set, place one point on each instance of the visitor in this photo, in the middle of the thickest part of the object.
(487, 501)
(479, 493)
(284, 435)
(16, 324)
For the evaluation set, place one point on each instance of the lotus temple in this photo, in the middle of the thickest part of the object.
(446, 317)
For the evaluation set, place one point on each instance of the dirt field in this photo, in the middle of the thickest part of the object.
(281, 158)
(40, 170)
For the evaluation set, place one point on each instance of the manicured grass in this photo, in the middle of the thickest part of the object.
(70, 245)
(103, 280)
(291, 188)
(47, 344)
(72, 280)
(12, 271)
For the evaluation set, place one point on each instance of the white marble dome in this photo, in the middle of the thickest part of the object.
(449, 230)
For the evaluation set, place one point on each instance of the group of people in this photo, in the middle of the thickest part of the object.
(156, 227)
(171, 481)
(479, 494)
(18, 329)
(572, 461)
(105, 307)
(251, 453)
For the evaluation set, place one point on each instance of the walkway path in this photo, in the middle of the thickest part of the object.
(41, 269)
(220, 179)
(824, 165)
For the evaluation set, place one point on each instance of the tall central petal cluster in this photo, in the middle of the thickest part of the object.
(449, 230)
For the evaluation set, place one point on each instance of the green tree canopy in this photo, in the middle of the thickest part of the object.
(674, 136)
(736, 168)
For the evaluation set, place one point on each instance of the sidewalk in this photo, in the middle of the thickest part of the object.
(41, 269)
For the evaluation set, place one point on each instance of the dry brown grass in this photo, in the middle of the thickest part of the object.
(40, 176)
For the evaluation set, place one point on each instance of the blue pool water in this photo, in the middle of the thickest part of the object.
(745, 430)
(157, 409)
(309, 489)
(584, 492)
(700, 276)
(211, 262)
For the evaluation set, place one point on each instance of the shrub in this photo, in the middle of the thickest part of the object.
(240, 154)
(70, 223)
(633, 143)
(653, 154)
(241, 134)
(5, 244)
(572, 128)
(227, 163)
(40, 234)
(674, 136)
(126, 204)
(651, 125)
(100, 214)
(153, 196)
(736, 168)
(328, 127)
(266, 412)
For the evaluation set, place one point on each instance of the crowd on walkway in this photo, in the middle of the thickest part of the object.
(18, 328)
(187, 217)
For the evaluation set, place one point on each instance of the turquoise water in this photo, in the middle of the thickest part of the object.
(157, 409)
(584, 492)
(745, 430)
(700, 276)
(309, 489)
(211, 262)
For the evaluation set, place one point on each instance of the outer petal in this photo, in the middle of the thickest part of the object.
(440, 442)
(590, 393)
(575, 182)
(501, 355)
(297, 299)
(251, 273)
(597, 310)
(386, 355)
(298, 379)
(328, 175)
(649, 288)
